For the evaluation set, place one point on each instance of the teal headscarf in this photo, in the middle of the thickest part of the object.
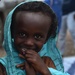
(12, 59)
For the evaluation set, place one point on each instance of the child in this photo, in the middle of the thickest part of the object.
(29, 40)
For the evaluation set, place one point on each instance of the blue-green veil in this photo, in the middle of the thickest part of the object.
(12, 58)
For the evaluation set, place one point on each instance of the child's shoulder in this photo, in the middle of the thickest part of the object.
(2, 70)
(2, 66)
(48, 61)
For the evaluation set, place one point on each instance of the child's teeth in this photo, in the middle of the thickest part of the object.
(23, 49)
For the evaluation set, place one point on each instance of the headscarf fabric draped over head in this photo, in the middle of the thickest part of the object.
(12, 59)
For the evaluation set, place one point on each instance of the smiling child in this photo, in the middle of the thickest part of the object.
(29, 40)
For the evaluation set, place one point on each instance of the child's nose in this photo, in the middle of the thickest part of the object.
(29, 42)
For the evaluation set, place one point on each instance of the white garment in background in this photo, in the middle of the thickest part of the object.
(68, 22)
(2, 6)
(5, 4)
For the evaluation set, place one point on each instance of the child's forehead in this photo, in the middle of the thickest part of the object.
(32, 16)
(33, 19)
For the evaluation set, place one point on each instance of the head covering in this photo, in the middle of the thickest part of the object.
(12, 58)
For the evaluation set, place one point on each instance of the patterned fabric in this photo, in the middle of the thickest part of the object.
(12, 58)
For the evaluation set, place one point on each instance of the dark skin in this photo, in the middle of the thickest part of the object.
(30, 34)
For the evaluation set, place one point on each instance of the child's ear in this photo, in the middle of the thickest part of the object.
(46, 40)
(12, 39)
(12, 35)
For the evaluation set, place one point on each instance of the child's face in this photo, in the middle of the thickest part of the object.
(31, 31)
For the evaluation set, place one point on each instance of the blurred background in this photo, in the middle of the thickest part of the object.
(65, 12)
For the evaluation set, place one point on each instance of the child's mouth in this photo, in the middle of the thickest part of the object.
(23, 51)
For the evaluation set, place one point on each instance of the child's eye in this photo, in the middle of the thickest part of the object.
(22, 34)
(38, 37)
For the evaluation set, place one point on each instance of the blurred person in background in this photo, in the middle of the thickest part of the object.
(5, 7)
(2, 8)
(57, 7)
(68, 22)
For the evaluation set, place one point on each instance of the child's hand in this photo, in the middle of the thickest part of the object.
(29, 69)
(35, 60)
